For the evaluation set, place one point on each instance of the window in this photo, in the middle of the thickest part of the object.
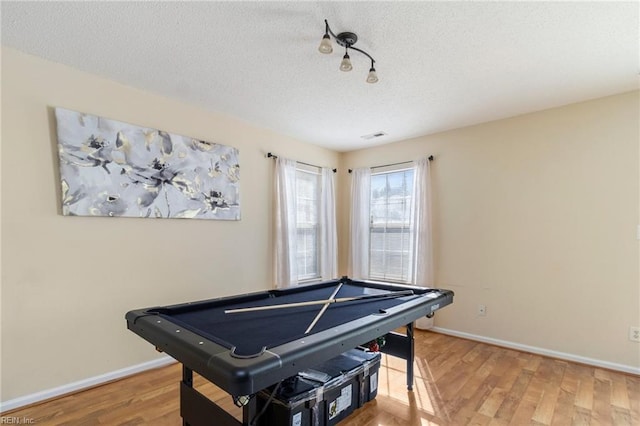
(308, 229)
(391, 223)
(305, 224)
(389, 230)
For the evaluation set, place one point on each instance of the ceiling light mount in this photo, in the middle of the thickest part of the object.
(346, 39)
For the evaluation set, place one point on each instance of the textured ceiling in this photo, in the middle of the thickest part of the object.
(441, 65)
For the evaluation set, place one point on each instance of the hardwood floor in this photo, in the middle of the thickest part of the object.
(458, 382)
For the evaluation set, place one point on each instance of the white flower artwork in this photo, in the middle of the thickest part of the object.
(111, 168)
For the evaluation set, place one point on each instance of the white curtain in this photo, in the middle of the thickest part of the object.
(422, 262)
(286, 266)
(360, 221)
(327, 222)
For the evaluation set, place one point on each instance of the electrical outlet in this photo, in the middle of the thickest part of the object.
(482, 310)
(634, 334)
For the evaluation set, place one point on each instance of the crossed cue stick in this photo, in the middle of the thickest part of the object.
(324, 308)
(325, 302)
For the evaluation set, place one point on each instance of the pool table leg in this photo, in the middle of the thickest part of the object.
(410, 357)
(401, 346)
(187, 380)
(198, 410)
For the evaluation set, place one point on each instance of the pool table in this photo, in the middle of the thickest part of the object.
(243, 352)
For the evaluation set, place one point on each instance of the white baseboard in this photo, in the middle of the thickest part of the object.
(22, 401)
(541, 351)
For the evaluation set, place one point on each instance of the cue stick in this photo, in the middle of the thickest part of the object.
(322, 302)
(324, 308)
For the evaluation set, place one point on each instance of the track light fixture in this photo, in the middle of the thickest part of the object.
(346, 39)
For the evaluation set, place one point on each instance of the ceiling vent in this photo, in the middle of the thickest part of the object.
(374, 135)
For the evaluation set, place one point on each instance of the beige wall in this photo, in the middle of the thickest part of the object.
(535, 217)
(68, 281)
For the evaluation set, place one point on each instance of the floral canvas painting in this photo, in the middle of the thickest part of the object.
(111, 168)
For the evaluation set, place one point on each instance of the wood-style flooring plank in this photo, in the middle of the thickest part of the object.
(458, 382)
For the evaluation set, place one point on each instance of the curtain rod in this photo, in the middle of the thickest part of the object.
(393, 164)
(270, 155)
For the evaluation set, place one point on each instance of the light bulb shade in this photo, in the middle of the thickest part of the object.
(345, 65)
(372, 77)
(325, 45)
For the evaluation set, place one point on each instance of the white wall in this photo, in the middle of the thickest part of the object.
(67, 282)
(535, 217)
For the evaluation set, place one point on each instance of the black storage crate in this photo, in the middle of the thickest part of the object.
(323, 395)
(294, 404)
(368, 375)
